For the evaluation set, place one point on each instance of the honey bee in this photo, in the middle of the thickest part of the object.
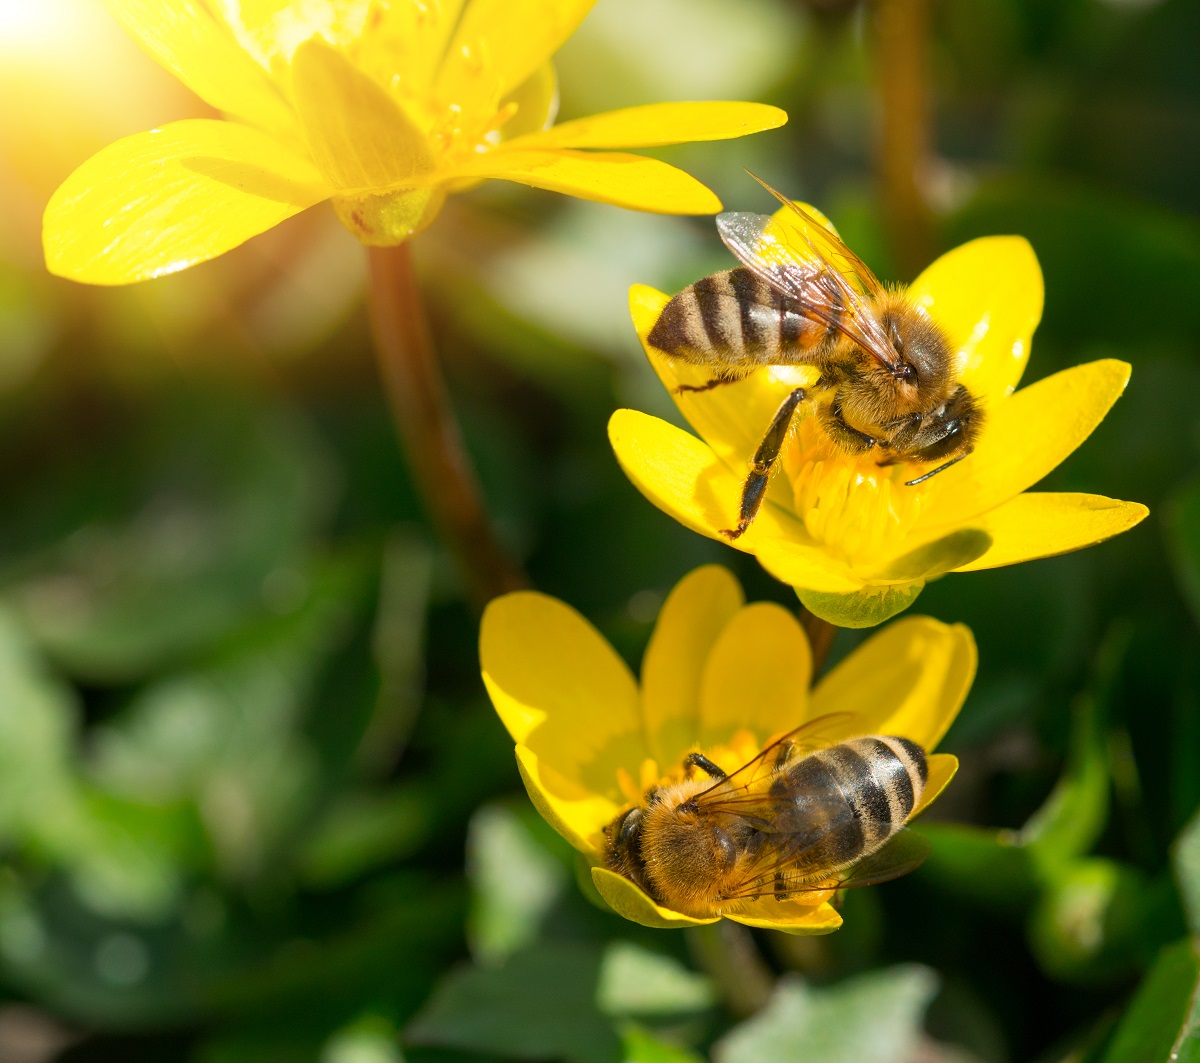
(802, 297)
(789, 822)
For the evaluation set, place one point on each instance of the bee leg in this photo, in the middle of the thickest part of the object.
(782, 893)
(842, 433)
(783, 754)
(716, 382)
(755, 487)
(699, 760)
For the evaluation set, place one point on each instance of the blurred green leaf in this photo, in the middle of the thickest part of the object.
(641, 1046)
(876, 1017)
(541, 1004)
(1185, 856)
(224, 501)
(635, 981)
(1162, 1024)
(989, 866)
(371, 1039)
(516, 874)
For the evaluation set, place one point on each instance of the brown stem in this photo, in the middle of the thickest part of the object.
(903, 140)
(428, 431)
(726, 952)
(821, 634)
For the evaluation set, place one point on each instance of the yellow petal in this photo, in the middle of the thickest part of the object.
(630, 181)
(942, 768)
(756, 677)
(271, 30)
(624, 898)
(660, 123)
(676, 471)
(562, 690)
(988, 296)
(506, 41)
(1024, 437)
(796, 563)
(910, 680)
(536, 100)
(1044, 524)
(944, 554)
(788, 916)
(692, 617)
(731, 418)
(359, 136)
(576, 812)
(157, 202)
(201, 52)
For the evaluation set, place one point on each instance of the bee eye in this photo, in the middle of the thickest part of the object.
(897, 342)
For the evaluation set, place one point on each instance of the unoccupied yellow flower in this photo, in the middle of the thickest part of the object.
(856, 543)
(719, 676)
(380, 106)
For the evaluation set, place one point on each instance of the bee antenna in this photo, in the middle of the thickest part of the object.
(940, 468)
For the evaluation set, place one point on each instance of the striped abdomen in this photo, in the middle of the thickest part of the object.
(733, 318)
(843, 803)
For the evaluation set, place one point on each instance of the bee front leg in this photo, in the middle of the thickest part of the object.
(754, 488)
(699, 760)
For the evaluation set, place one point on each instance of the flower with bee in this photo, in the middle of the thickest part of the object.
(863, 440)
(721, 786)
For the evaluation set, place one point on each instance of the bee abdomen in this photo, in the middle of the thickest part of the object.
(732, 317)
(880, 779)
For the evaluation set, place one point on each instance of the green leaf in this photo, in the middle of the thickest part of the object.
(1185, 858)
(989, 866)
(541, 1004)
(636, 981)
(641, 1046)
(516, 873)
(876, 1017)
(1162, 1024)
(864, 608)
(1183, 539)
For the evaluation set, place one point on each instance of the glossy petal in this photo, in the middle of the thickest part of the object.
(987, 294)
(359, 136)
(690, 621)
(630, 181)
(624, 898)
(157, 202)
(909, 679)
(797, 563)
(506, 41)
(937, 557)
(676, 471)
(656, 124)
(1024, 438)
(1043, 524)
(942, 769)
(575, 811)
(756, 677)
(201, 52)
(789, 917)
(271, 30)
(561, 690)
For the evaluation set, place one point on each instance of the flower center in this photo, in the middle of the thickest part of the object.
(849, 504)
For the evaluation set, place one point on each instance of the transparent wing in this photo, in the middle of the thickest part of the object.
(811, 267)
(902, 853)
(818, 733)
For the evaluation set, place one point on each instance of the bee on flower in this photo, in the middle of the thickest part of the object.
(707, 790)
(861, 441)
(382, 108)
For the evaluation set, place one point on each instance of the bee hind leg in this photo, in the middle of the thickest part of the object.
(754, 489)
(708, 385)
(782, 893)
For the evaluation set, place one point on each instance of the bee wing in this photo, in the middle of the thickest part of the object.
(816, 734)
(904, 852)
(809, 265)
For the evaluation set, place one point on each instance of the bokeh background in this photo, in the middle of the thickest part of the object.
(254, 805)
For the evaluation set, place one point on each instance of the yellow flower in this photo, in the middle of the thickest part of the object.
(856, 543)
(719, 676)
(381, 106)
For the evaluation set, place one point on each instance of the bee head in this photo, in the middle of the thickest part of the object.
(948, 432)
(922, 349)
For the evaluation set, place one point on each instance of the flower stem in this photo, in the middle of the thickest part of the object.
(903, 139)
(821, 634)
(428, 432)
(727, 953)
